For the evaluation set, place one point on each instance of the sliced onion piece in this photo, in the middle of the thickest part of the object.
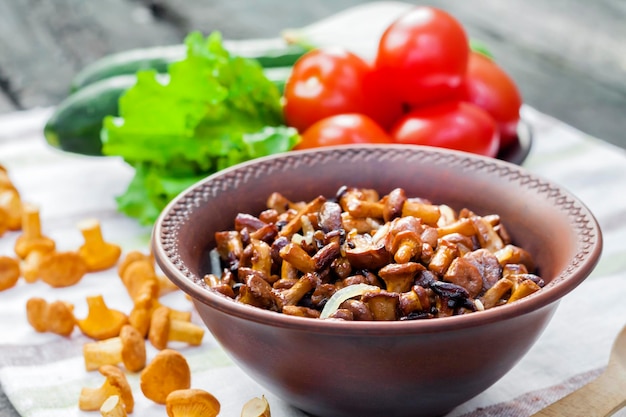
(216, 263)
(344, 294)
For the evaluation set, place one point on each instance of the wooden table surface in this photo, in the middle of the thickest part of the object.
(568, 56)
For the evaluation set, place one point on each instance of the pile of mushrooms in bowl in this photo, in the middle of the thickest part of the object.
(398, 360)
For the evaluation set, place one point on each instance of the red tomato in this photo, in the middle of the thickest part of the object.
(490, 88)
(454, 125)
(424, 55)
(343, 129)
(380, 103)
(330, 81)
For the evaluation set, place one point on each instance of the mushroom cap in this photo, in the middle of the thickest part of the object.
(158, 334)
(36, 308)
(11, 202)
(101, 321)
(136, 274)
(4, 220)
(168, 371)
(61, 318)
(104, 258)
(191, 402)
(399, 277)
(133, 348)
(62, 269)
(9, 272)
(97, 253)
(24, 245)
(383, 304)
(131, 257)
(116, 378)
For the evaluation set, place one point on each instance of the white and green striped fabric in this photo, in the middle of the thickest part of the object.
(42, 374)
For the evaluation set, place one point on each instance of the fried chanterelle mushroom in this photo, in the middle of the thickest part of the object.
(409, 258)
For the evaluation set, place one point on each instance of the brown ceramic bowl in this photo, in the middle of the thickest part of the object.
(404, 368)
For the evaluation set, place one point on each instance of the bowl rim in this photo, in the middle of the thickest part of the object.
(590, 247)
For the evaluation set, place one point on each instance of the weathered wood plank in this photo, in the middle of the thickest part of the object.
(245, 19)
(45, 43)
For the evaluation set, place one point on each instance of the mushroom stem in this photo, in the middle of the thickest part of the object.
(256, 407)
(31, 227)
(164, 328)
(9, 272)
(128, 348)
(30, 265)
(185, 331)
(102, 352)
(113, 407)
(31, 237)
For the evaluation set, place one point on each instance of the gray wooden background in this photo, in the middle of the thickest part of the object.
(568, 56)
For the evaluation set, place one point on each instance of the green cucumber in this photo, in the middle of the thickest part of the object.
(278, 76)
(76, 122)
(269, 53)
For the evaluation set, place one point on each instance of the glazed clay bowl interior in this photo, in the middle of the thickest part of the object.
(404, 368)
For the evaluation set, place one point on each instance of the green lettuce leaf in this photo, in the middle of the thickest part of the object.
(211, 111)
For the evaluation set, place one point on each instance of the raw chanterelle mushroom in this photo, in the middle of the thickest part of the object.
(191, 403)
(97, 253)
(91, 399)
(101, 321)
(9, 272)
(256, 407)
(62, 269)
(56, 317)
(164, 328)
(11, 203)
(136, 273)
(31, 237)
(128, 348)
(167, 372)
